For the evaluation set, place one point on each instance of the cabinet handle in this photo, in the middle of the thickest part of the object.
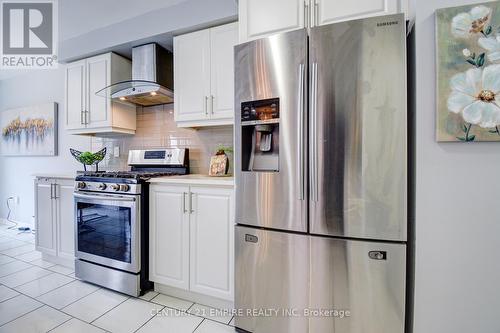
(212, 103)
(191, 210)
(184, 202)
(87, 116)
(306, 14)
(316, 6)
(206, 108)
(51, 191)
(81, 118)
(55, 191)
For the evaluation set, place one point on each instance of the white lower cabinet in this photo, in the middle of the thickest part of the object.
(169, 236)
(191, 238)
(54, 219)
(211, 242)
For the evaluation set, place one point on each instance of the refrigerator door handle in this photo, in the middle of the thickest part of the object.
(313, 130)
(300, 131)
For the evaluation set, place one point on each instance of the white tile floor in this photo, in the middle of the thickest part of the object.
(38, 296)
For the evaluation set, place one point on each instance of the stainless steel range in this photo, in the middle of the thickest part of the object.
(111, 212)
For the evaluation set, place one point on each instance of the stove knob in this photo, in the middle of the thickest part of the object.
(115, 187)
(81, 185)
(124, 187)
(101, 186)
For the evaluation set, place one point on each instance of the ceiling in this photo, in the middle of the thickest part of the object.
(77, 17)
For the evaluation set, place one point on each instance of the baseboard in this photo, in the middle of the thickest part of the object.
(194, 297)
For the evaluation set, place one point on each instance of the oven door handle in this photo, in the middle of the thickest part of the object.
(102, 197)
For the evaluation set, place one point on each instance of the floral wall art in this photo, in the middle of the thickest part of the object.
(468, 73)
(29, 131)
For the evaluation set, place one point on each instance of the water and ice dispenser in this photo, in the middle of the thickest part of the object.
(260, 135)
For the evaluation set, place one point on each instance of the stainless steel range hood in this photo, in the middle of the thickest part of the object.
(152, 78)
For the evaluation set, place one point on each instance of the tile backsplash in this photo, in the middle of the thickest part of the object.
(156, 128)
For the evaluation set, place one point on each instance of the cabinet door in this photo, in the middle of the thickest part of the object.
(222, 41)
(327, 11)
(169, 236)
(260, 18)
(192, 76)
(75, 95)
(98, 77)
(45, 237)
(65, 221)
(212, 235)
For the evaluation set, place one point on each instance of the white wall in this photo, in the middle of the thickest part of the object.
(457, 286)
(16, 172)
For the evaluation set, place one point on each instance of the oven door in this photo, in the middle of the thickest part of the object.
(108, 230)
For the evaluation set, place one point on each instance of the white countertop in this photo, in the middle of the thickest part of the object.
(194, 179)
(54, 175)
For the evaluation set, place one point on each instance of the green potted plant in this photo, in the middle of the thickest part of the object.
(88, 158)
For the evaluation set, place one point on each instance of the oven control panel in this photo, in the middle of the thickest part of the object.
(108, 187)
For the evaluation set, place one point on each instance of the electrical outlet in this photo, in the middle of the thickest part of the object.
(116, 151)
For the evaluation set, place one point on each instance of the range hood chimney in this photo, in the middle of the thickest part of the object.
(152, 78)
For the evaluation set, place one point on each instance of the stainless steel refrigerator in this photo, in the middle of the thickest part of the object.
(321, 179)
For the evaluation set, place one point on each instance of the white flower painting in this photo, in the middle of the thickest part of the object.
(465, 25)
(468, 81)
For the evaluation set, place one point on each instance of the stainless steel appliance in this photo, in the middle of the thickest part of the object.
(321, 179)
(152, 78)
(111, 213)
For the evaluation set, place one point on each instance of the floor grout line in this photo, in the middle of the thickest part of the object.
(17, 272)
(99, 288)
(41, 305)
(45, 304)
(147, 321)
(12, 296)
(53, 328)
(114, 307)
(62, 285)
(201, 322)
(51, 272)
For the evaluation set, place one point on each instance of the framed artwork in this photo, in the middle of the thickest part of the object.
(29, 131)
(468, 73)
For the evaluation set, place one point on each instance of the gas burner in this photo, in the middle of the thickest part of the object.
(139, 175)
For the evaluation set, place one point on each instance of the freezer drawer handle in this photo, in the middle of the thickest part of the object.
(377, 255)
(251, 238)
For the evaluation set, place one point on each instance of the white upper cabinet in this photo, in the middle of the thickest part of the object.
(261, 18)
(204, 77)
(87, 113)
(192, 76)
(75, 94)
(222, 41)
(328, 11)
(97, 74)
